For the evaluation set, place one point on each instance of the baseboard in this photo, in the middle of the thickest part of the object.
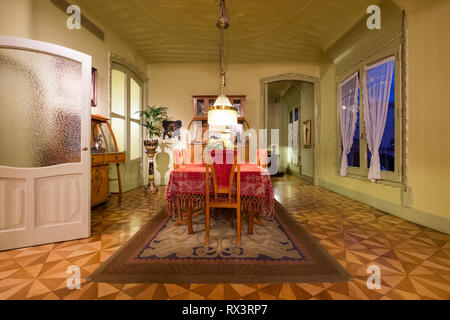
(300, 176)
(422, 218)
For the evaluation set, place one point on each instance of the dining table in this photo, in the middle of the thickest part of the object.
(187, 189)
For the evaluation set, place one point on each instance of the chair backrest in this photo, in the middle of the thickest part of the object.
(262, 157)
(178, 158)
(223, 168)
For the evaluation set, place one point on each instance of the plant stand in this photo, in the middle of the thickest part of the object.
(150, 149)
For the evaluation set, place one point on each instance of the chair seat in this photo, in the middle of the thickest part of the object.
(223, 205)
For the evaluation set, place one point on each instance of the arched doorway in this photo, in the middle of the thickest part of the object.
(314, 117)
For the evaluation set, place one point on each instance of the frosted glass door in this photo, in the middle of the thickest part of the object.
(40, 97)
(44, 139)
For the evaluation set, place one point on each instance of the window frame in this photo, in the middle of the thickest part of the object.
(388, 177)
(129, 74)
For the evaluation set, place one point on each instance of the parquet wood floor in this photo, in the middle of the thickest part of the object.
(414, 260)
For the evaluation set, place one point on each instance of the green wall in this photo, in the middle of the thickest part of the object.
(422, 195)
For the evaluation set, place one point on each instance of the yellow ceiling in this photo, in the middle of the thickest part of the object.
(260, 31)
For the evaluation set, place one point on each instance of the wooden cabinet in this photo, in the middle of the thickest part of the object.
(106, 158)
(99, 174)
(99, 184)
(100, 161)
(200, 122)
(202, 104)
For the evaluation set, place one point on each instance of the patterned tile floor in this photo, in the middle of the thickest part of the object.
(414, 261)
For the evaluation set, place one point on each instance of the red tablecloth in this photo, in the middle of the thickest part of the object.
(188, 184)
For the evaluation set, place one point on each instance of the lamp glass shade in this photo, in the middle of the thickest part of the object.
(220, 117)
(222, 101)
(222, 113)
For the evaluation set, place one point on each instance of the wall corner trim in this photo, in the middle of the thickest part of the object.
(419, 217)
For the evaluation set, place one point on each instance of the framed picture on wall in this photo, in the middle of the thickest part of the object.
(94, 89)
(306, 134)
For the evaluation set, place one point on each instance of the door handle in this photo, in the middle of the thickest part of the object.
(85, 149)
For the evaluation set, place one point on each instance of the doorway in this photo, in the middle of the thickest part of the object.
(290, 104)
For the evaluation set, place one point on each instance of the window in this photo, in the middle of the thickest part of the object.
(134, 123)
(380, 96)
(118, 109)
(126, 102)
(353, 156)
(349, 122)
(387, 146)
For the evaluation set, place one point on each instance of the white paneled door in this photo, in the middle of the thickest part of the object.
(44, 143)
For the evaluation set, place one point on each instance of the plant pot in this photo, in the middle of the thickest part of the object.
(150, 148)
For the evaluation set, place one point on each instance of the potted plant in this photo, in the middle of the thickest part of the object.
(152, 118)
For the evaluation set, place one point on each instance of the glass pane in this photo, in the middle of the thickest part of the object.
(387, 147)
(135, 140)
(135, 99)
(201, 108)
(118, 126)
(353, 156)
(118, 92)
(40, 103)
(237, 104)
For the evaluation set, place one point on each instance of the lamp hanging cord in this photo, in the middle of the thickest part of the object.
(224, 19)
(223, 23)
(223, 71)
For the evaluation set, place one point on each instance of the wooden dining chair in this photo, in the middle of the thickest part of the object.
(261, 158)
(178, 158)
(223, 173)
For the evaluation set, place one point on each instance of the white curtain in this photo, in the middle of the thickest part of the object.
(348, 108)
(377, 89)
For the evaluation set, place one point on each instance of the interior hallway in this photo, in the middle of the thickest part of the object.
(412, 258)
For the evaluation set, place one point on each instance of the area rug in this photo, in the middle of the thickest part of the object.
(280, 252)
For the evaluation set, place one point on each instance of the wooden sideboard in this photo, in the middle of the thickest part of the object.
(99, 174)
(100, 161)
